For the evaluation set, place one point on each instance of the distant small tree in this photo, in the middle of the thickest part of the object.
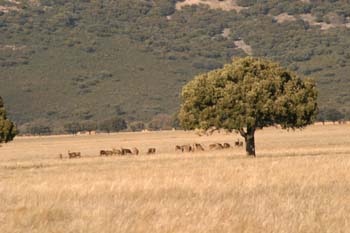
(114, 124)
(72, 127)
(88, 126)
(247, 95)
(8, 129)
(137, 126)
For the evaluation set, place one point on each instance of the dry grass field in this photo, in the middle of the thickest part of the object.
(300, 182)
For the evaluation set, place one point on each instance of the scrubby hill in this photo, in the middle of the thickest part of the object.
(64, 60)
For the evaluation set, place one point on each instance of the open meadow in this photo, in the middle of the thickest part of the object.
(299, 182)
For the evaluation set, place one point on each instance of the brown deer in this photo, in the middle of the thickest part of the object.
(135, 151)
(238, 143)
(72, 155)
(126, 151)
(178, 148)
(198, 147)
(216, 146)
(151, 151)
(187, 148)
(109, 153)
(117, 152)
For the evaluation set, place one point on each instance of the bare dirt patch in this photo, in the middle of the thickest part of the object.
(334, 20)
(245, 47)
(7, 9)
(284, 17)
(226, 5)
(14, 2)
(312, 21)
(12, 47)
(226, 32)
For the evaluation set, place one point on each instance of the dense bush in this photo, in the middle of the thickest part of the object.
(114, 124)
(137, 126)
(37, 127)
(7, 128)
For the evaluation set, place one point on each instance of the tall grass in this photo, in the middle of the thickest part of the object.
(300, 182)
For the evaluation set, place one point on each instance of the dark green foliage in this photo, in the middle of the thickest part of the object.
(114, 124)
(247, 95)
(7, 128)
(88, 126)
(72, 127)
(36, 128)
(137, 126)
(164, 7)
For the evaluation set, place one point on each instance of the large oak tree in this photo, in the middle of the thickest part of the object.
(246, 95)
(7, 128)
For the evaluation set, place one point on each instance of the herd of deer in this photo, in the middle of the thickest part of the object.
(183, 148)
(199, 147)
(125, 151)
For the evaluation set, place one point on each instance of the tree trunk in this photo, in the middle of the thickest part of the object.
(250, 142)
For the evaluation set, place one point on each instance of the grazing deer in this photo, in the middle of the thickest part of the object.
(187, 148)
(216, 146)
(238, 143)
(126, 151)
(117, 152)
(109, 153)
(106, 152)
(198, 147)
(135, 151)
(72, 155)
(178, 148)
(151, 151)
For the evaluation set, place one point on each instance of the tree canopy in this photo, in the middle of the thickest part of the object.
(248, 94)
(7, 128)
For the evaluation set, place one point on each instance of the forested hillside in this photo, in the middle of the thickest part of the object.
(71, 60)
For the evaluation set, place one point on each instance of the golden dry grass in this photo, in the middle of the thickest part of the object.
(300, 182)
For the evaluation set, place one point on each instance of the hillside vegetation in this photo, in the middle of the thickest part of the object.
(64, 60)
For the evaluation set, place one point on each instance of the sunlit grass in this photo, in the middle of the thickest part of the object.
(300, 182)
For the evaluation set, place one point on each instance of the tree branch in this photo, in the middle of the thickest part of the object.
(243, 134)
